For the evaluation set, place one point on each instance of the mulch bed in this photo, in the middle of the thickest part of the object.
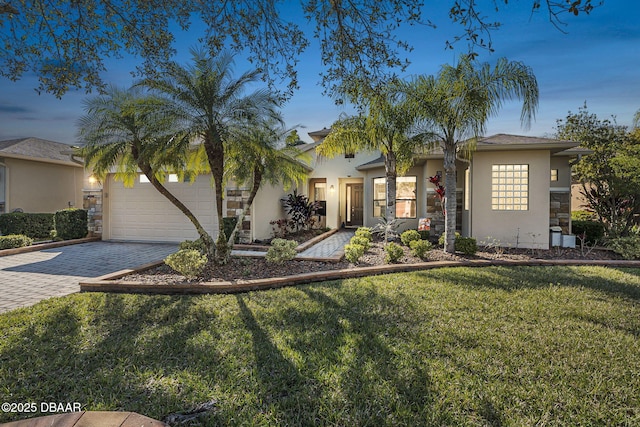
(242, 268)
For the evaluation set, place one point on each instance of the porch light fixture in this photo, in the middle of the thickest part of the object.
(332, 189)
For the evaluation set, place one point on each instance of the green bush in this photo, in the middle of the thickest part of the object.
(362, 241)
(424, 234)
(420, 248)
(15, 241)
(393, 253)
(441, 238)
(188, 262)
(353, 252)
(195, 245)
(466, 245)
(281, 250)
(593, 230)
(583, 216)
(71, 224)
(229, 224)
(364, 232)
(628, 247)
(34, 225)
(409, 236)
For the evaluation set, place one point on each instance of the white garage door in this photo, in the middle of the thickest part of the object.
(142, 213)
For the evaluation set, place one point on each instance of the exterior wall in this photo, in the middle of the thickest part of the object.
(338, 171)
(266, 207)
(421, 187)
(560, 195)
(433, 206)
(42, 187)
(524, 229)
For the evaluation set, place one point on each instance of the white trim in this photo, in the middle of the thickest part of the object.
(560, 189)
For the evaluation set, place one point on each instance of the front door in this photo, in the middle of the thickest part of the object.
(355, 196)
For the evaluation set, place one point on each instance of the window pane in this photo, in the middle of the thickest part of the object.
(509, 187)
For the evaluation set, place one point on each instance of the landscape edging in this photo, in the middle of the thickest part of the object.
(107, 284)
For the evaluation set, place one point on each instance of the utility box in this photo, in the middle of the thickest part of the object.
(555, 236)
(568, 241)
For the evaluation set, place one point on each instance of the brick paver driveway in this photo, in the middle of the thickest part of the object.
(28, 278)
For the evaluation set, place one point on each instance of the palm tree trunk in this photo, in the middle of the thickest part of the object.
(257, 181)
(391, 174)
(214, 148)
(450, 198)
(206, 238)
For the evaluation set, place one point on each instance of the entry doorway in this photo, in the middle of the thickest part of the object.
(354, 205)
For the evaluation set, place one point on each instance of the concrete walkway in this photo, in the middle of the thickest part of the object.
(328, 247)
(30, 277)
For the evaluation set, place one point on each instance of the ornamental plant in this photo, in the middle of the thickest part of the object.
(353, 252)
(420, 248)
(362, 241)
(13, 241)
(393, 253)
(188, 262)
(409, 236)
(281, 250)
(364, 232)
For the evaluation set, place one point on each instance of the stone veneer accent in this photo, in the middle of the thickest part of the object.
(560, 210)
(434, 211)
(92, 202)
(236, 199)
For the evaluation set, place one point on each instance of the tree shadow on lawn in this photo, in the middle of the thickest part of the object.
(127, 358)
(623, 283)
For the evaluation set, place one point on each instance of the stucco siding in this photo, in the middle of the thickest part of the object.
(42, 187)
(267, 207)
(525, 229)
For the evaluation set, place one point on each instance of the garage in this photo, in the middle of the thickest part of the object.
(141, 213)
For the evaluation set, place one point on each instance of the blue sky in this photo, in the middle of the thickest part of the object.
(597, 61)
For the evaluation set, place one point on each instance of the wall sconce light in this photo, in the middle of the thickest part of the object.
(332, 189)
(92, 179)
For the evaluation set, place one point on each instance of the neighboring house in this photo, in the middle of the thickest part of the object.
(37, 176)
(511, 191)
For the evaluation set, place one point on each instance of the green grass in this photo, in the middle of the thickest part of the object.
(460, 346)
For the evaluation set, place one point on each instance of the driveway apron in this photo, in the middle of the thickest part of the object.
(30, 277)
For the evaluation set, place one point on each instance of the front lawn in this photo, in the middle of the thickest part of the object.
(457, 346)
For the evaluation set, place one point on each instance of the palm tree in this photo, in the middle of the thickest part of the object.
(385, 127)
(454, 108)
(122, 129)
(211, 106)
(256, 159)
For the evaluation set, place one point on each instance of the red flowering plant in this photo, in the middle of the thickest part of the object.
(440, 191)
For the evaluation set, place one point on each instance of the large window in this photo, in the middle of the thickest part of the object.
(510, 187)
(405, 196)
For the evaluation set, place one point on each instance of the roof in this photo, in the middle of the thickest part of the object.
(319, 135)
(39, 150)
(503, 141)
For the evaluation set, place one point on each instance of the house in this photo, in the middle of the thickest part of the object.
(39, 176)
(510, 192)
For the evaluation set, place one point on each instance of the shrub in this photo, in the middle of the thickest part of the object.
(592, 230)
(628, 247)
(281, 250)
(393, 253)
(301, 210)
(424, 234)
(441, 238)
(420, 248)
(364, 232)
(362, 241)
(15, 241)
(466, 245)
(188, 262)
(194, 245)
(71, 223)
(34, 225)
(353, 252)
(583, 216)
(409, 236)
